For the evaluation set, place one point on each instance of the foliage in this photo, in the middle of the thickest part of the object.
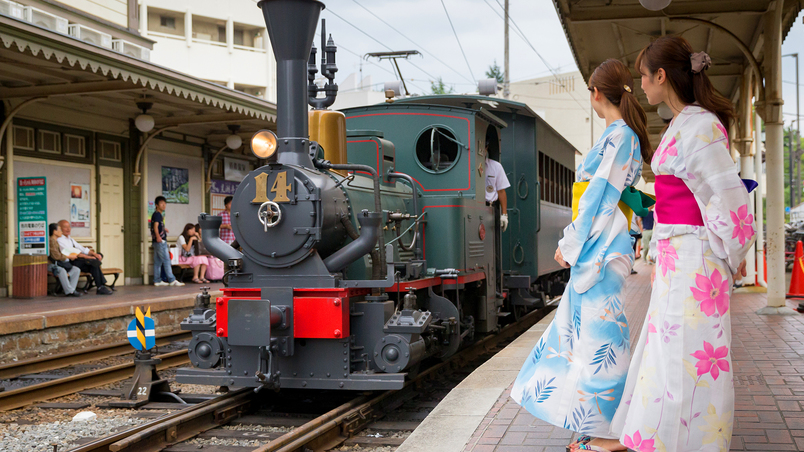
(439, 87)
(494, 71)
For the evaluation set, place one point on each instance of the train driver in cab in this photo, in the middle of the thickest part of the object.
(496, 183)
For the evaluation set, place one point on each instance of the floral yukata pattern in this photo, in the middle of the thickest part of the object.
(575, 375)
(679, 395)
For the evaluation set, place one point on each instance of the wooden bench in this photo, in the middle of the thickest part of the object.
(106, 271)
(90, 283)
(183, 268)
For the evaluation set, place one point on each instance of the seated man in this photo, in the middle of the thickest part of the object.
(88, 260)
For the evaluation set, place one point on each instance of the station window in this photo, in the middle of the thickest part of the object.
(49, 142)
(167, 22)
(437, 149)
(109, 150)
(24, 138)
(75, 145)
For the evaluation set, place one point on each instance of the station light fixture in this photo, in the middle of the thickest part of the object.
(655, 5)
(234, 141)
(144, 122)
(263, 144)
(664, 112)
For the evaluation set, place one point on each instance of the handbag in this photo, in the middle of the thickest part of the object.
(67, 265)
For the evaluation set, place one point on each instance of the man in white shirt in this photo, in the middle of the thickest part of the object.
(88, 260)
(496, 183)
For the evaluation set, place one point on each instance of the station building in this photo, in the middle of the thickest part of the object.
(74, 78)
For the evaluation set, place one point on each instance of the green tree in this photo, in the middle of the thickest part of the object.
(494, 71)
(439, 87)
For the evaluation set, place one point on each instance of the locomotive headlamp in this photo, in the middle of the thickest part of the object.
(263, 144)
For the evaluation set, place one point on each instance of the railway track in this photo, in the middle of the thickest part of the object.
(61, 360)
(27, 395)
(324, 432)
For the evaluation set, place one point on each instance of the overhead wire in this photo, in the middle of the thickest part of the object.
(521, 34)
(412, 41)
(329, 10)
(459, 41)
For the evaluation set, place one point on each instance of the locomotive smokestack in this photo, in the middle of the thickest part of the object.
(291, 27)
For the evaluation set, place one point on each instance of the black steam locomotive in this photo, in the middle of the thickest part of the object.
(366, 245)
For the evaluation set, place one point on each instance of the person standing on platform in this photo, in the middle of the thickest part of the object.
(226, 233)
(88, 260)
(679, 395)
(647, 233)
(161, 254)
(575, 375)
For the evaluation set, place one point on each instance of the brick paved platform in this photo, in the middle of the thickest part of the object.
(768, 365)
(29, 327)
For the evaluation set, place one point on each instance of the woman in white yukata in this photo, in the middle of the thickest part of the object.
(680, 394)
(575, 375)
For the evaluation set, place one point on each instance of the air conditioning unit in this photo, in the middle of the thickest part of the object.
(91, 36)
(11, 9)
(131, 49)
(45, 20)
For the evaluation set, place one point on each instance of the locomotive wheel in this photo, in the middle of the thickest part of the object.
(519, 311)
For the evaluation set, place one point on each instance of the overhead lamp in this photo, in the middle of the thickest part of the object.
(144, 122)
(263, 144)
(234, 141)
(654, 5)
(664, 112)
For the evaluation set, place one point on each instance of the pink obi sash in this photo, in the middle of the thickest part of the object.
(675, 203)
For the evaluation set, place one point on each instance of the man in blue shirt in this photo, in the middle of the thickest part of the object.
(161, 254)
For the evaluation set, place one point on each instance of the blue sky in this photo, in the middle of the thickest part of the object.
(479, 28)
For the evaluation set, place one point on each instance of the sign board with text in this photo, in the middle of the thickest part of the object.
(32, 215)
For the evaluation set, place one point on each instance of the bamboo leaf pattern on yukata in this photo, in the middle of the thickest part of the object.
(605, 357)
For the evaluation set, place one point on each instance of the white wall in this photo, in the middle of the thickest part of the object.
(228, 65)
(59, 177)
(177, 215)
(115, 11)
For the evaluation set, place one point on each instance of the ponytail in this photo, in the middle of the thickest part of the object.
(691, 84)
(613, 79)
(635, 117)
(707, 97)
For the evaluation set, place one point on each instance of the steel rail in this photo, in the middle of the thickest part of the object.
(168, 424)
(27, 395)
(58, 361)
(335, 427)
(326, 431)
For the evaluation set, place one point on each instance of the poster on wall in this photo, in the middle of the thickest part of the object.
(176, 185)
(219, 191)
(32, 215)
(79, 206)
(235, 170)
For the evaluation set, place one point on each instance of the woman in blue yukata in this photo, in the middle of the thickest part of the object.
(575, 375)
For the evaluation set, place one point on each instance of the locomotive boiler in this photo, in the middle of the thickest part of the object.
(365, 245)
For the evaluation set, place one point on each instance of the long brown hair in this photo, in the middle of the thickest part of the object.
(613, 79)
(186, 234)
(672, 53)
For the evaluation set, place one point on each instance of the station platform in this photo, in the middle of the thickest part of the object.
(50, 324)
(768, 365)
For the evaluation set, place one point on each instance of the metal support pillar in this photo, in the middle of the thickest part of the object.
(774, 136)
(506, 75)
(759, 209)
(746, 158)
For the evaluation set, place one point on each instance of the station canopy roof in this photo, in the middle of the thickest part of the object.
(66, 72)
(602, 29)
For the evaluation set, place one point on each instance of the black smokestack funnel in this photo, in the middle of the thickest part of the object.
(291, 27)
